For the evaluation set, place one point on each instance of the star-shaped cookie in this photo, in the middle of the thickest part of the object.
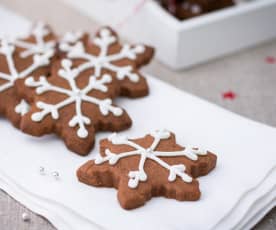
(74, 104)
(142, 168)
(104, 53)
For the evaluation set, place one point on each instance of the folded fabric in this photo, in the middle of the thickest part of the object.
(254, 219)
(63, 218)
(251, 204)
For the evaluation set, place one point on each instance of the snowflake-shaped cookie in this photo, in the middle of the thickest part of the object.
(104, 54)
(150, 166)
(18, 59)
(73, 104)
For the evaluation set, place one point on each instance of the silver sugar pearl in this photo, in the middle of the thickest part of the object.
(55, 175)
(25, 217)
(42, 170)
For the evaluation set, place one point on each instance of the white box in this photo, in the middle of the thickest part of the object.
(181, 44)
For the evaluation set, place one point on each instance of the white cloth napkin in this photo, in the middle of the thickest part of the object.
(251, 205)
(246, 154)
(63, 218)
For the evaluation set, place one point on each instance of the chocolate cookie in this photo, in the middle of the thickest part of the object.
(105, 53)
(20, 58)
(154, 165)
(74, 104)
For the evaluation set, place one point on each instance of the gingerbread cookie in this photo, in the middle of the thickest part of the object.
(74, 104)
(20, 58)
(104, 53)
(154, 165)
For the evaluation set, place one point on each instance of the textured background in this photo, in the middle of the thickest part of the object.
(246, 73)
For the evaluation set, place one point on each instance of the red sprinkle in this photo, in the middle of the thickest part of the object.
(229, 95)
(270, 60)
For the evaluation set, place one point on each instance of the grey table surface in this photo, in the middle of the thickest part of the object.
(246, 73)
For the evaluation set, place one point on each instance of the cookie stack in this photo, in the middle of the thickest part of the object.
(67, 85)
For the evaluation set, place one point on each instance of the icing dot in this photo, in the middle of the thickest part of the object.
(54, 114)
(82, 133)
(40, 90)
(140, 49)
(118, 112)
(64, 46)
(22, 108)
(72, 37)
(134, 77)
(132, 183)
(172, 177)
(107, 78)
(105, 32)
(187, 179)
(162, 134)
(66, 63)
(36, 117)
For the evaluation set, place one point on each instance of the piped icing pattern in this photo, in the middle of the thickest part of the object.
(135, 177)
(41, 51)
(40, 31)
(22, 108)
(75, 96)
(71, 37)
(103, 60)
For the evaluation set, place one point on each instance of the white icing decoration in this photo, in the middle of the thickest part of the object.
(41, 51)
(40, 31)
(75, 95)
(22, 108)
(150, 153)
(70, 38)
(105, 60)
